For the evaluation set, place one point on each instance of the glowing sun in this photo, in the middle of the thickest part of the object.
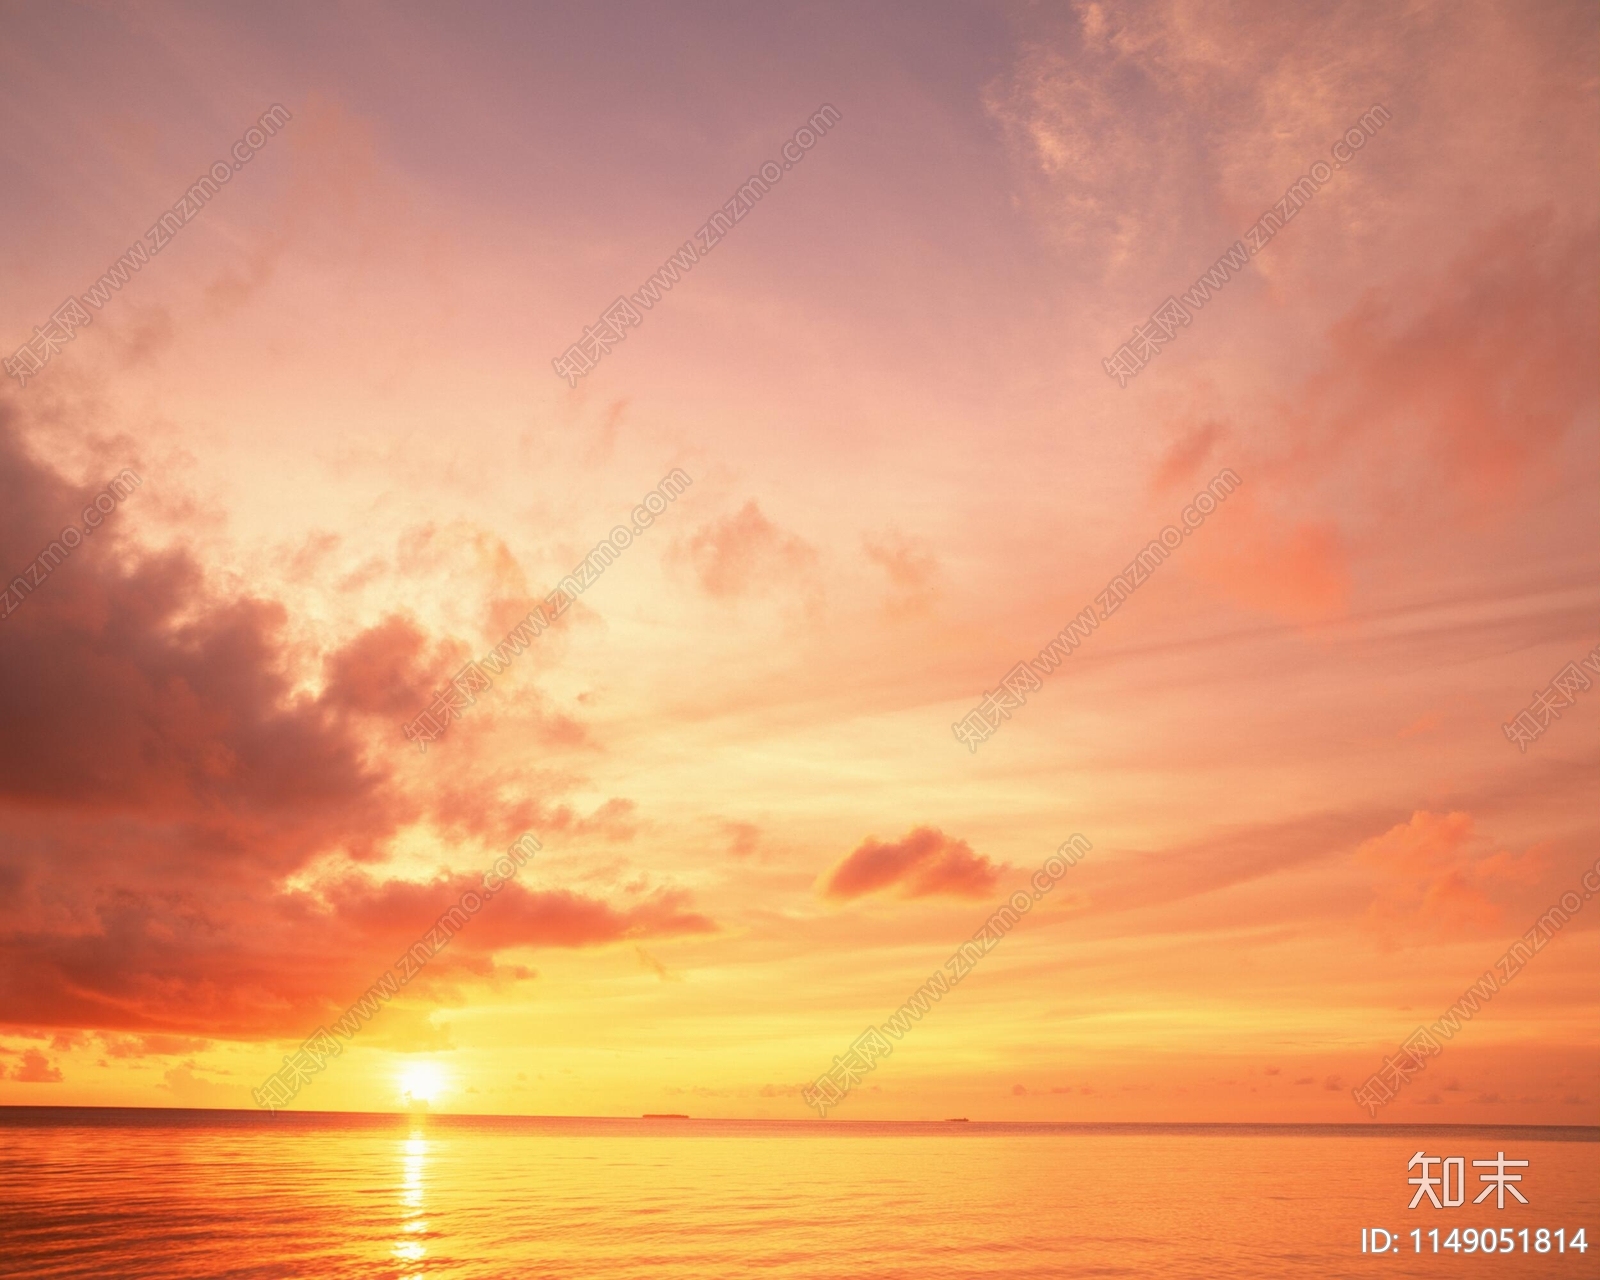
(421, 1082)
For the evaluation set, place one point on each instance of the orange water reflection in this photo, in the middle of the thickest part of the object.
(409, 1249)
(457, 1198)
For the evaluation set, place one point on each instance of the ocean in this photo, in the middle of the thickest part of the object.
(118, 1194)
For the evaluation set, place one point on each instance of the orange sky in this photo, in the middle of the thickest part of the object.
(910, 471)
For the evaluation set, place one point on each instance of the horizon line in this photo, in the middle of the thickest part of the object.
(1355, 1125)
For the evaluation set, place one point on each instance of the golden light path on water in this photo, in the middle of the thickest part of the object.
(410, 1248)
(239, 1196)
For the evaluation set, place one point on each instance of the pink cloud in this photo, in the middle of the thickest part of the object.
(910, 567)
(743, 838)
(1283, 565)
(164, 773)
(1439, 398)
(1428, 881)
(1183, 459)
(388, 670)
(746, 552)
(1490, 371)
(924, 863)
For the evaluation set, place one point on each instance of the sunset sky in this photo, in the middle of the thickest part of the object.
(910, 471)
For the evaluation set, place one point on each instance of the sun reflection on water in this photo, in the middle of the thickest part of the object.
(413, 1167)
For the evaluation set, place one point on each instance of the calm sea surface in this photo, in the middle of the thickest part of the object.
(113, 1193)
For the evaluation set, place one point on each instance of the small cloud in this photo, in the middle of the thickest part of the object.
(147, 1046)
(1333, 1084)
(387, 670)
(743, 838)
(412, 1031)
(1185, 456)
(303, 562)
(194, 1090)
(614, 820)
(1488, 1099)
(1019, 1091)
(1429, 882)
(1421, 725)
(1272, 1071)
(1286, 566)
(910, 567)
(35, 1068)
(1305, 1080)
(745, 552)
(655, 966)
(923, 863)
(605, 437)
